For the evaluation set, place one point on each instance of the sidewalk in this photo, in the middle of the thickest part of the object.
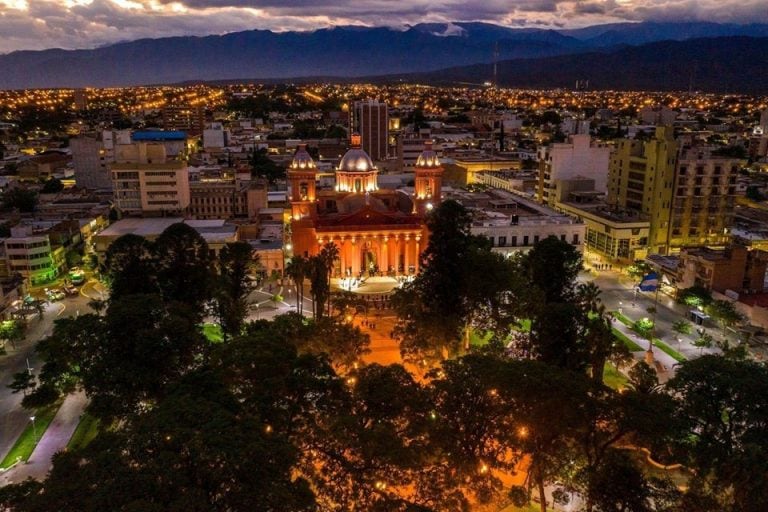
(54, 440)
(665, 364)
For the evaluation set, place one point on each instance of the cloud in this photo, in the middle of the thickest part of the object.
(37, 24)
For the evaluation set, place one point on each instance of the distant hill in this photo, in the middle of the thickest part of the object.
(724, 64)
(340, 51)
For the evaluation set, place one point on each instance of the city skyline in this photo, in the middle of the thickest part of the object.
(74, 24)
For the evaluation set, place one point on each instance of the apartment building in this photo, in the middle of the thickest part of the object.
(577, 158)
(685, 190)
(370, 119)
(736, 268)
(226, 198)
(146, 183)
(30, 255)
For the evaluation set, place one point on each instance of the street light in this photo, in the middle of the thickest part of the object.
(34, 427)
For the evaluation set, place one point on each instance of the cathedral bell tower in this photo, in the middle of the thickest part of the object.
(428, 181)
(302, 176)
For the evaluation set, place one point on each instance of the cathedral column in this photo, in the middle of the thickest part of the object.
(384, 265)
(418, 253)
(407, 256)
(355, 260)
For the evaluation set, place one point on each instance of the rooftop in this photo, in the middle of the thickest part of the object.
(148, 135)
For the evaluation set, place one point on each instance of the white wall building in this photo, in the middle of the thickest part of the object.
(577, 158)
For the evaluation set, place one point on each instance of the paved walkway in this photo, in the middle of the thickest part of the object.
(54, 439)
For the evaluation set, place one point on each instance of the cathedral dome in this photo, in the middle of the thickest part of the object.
(302, 159)
(356, 160)
(428, 157)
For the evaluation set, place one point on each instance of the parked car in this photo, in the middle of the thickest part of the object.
(54, 294)
(71, 290)
(76, 276)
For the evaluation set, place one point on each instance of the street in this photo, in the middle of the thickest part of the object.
(14, 417)
(617, 294)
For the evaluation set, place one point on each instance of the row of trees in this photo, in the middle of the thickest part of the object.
(318, 269)
(148, 333)
(466, 288)
(265, 422)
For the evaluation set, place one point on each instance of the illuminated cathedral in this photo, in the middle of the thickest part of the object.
(377, 231)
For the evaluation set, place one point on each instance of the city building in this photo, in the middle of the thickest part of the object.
(376, 230)
(145, 182)
(42, 167)
(705, 198)
(685, 190)
(80, 99)
(31, 255)
(92, 155)
(184, 118)
(465, 169)
(614, 236)
(735, 269)
(217, 232)
(655, 116)
(177, 143)
(370, 119)
(215, 137)
(227, 197)
(578, 158)
(514, 223)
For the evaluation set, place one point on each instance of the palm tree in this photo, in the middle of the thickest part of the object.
(588, 295)
(329, 254)
(297, 271)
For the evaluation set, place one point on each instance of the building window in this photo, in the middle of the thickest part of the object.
(502, 241)
(514, 241)
(525, 241)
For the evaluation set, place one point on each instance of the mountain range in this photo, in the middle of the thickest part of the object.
(354, 51)
(721, 65)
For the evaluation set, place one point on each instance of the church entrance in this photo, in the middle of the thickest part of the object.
(368, 263)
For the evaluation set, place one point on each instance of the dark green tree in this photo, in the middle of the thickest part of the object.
(131, 266)
(23, 199)
(196, 451)
(233, 286)
(335, 132)
(722, 404)
(264, 167)
(185, 270)
(433, 309)
(298, 270)
(52, 186)
(552, 265)
(125, 360)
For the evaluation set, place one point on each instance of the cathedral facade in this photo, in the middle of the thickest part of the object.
(377, 231)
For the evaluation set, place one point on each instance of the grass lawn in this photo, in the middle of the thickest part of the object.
(86, 430)
(533, 507)
(213, 333)
(477, 339)
(631, 345)
(29, 438)
(613, 378)
(525, 325)
(623, 319)
(674, 354)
